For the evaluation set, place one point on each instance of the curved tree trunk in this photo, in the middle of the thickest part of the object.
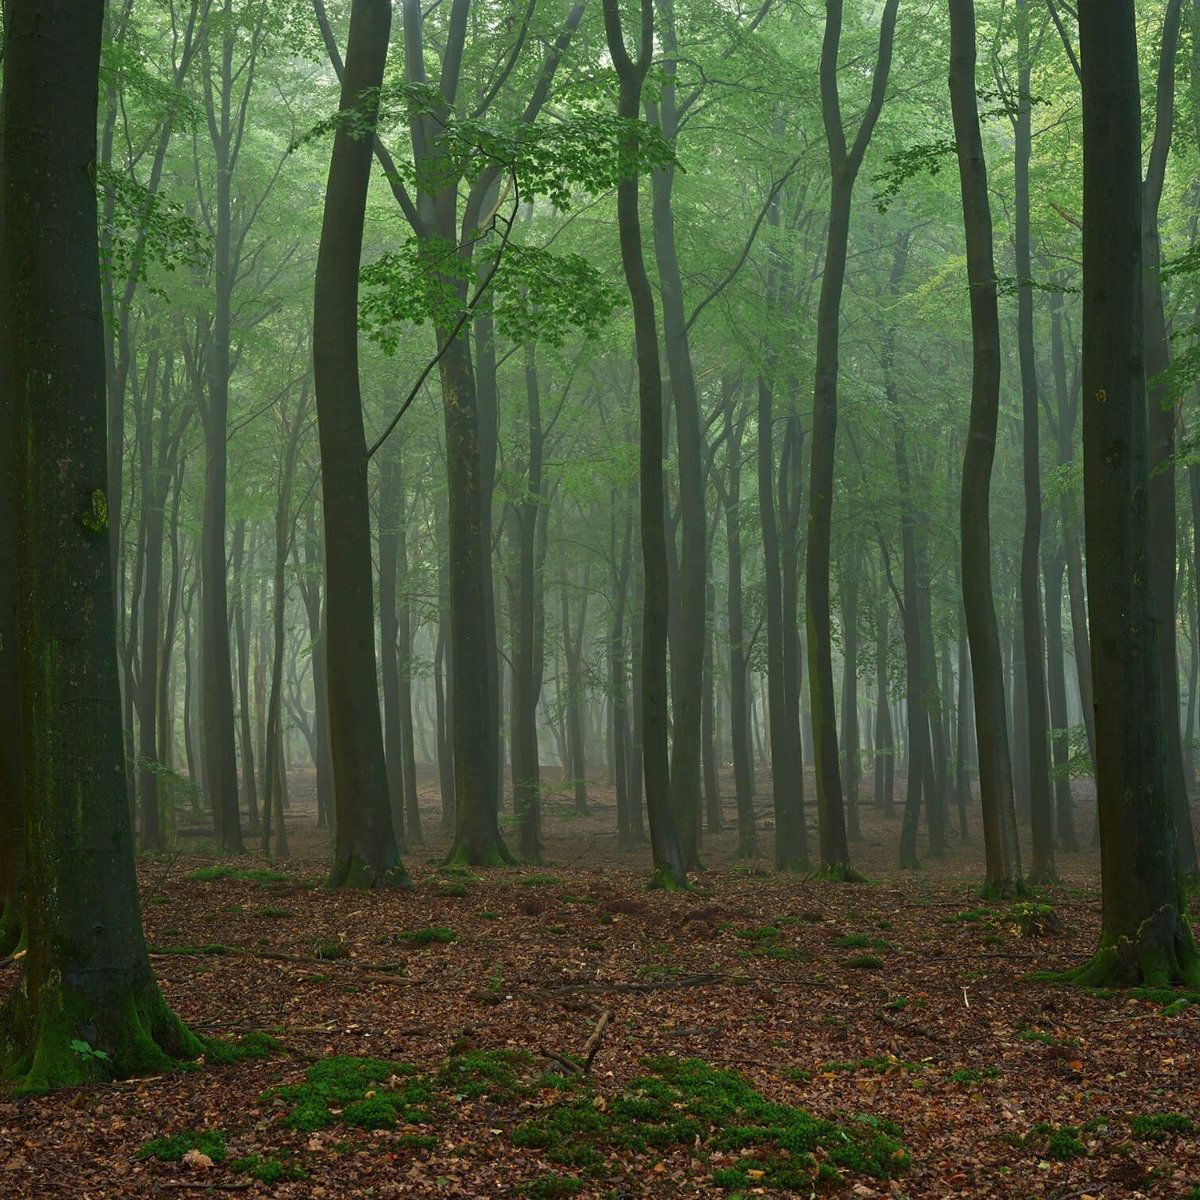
(1003, 869)
(365, 851)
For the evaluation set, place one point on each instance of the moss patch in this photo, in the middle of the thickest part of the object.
(365, 1092)
(173, 1148)
(687, 1102)
(217, 872)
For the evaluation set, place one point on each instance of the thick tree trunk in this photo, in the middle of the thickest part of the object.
(1002, 851)
(86, 976)
(365, 851)
(1161, 420)
(1144, 937)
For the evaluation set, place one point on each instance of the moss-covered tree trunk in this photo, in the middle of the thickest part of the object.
(87, 1005)
(365, 851)
(1145, 937)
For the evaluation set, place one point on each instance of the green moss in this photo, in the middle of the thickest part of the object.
(879, 1065)
(429, 936)
(330, 949)
(253, 1045)
(415, 1141)
(1064, 1144)
(861, 941)
(971, 1076)
(257, 875)
(368, 1092)
(268, 1168)
(550, 1187)
(1158, 1127)
(539, 881)
(173, 1148)
(864, 962)
(490, 1073)
(686, 1102)
(453, 889)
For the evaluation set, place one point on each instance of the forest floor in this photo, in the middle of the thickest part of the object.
(886, 1037)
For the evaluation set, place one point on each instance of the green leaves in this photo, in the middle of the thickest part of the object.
(535, 296)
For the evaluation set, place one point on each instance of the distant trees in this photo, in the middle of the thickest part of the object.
(87, 1005)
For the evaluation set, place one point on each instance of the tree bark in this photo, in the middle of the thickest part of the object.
(86, 977)
(365, 852)
(1002, 851)
(665, 845)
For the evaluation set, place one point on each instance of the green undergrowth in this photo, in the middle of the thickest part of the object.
(253, 1045)
(881, 1066)
(539, 881)
(766, 941)
(1158, 1127)
(550, 1187)
(429, 936)
(269, 1168)
(688, 1103)
(864, 962)
(239, 875)
(172, 1148)
(368, 1093)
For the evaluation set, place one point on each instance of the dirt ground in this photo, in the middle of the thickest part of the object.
(904, 999)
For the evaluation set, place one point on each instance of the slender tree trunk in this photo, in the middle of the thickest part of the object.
(1042, 869)
(1053, 568)
(739, 708)
(665, 844)
(708, 721)
(365, 851)
(391, 516)
(885, 746)
(851, 748)
(1002, 851)
(241, 614)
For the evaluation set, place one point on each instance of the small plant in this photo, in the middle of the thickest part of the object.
(972, 1076)
(453, 889)
(865, 962)
(416, 1141)
(274, 914)
(432, 935)
(88, 1050)
(330, 949)
(1158, 1127)
(1064, 1144)
(489, 1073)
(172, 1149)
(269, 1169)
(218, 872)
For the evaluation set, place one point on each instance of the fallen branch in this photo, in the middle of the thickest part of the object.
(592, 1045)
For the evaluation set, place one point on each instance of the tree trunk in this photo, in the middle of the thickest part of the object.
(86, 976)
(666, 847)
(1042, 870)
(1001, 849)
(365, 851)
(851, 749)
(1161, 420)
(739, 708)
(390, 518)
(1144, 936)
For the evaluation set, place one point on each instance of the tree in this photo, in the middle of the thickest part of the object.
(87, 1005)
(844, 163)
(1144, 934)
(1003, 869)
(665, 845)
(365, 851)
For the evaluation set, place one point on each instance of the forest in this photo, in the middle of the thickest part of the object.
(599, 598)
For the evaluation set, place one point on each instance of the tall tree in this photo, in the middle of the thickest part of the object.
(844, 163)
(665, 845)
(86, 978)
(1162, 419)
(1144, 935)
(1003, 867)
(365, 852)
(1042, 869)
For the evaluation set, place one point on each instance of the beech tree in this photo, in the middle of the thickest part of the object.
(87, 1005)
